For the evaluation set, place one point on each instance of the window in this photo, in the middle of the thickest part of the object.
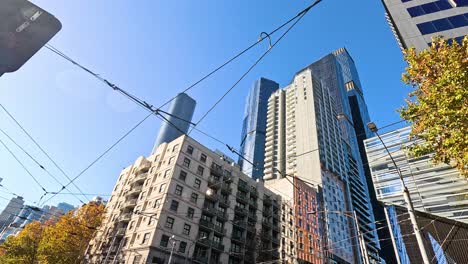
(171, 160)
(178, 190)
(197, 183)
(175, 148)
(190, 212)
(174, 205)
(164, 241)
(166, 173)
(136, 260)
(187, 228)
(157, 203)
(194, 198)
(186, 163)
(146, 237)
(169, 222)
(189, 149)
(162, 188)
(203, 158)
(182, 246)
(200, 170)
(151, 220)
(183, 176)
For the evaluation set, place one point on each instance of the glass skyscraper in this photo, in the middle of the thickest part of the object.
(414, 22)
(254, 127)
(181, 110)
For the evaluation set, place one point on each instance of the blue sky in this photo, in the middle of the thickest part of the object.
(155, 49)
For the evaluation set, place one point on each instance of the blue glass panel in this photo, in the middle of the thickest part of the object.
(404, 1)
(416, 11)
(430, 8)
(458, 21)
(444, 5)
(461, 2)
(442, 24)
(426, 28)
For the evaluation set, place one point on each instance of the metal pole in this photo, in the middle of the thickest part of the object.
(392, 236)
(172, 251)
(409, 207)
(362, 246)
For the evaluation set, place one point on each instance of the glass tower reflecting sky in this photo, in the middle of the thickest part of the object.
(254, 126)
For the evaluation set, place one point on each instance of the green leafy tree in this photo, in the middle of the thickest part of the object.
(66, 241)
(438, 105)
(22, 249)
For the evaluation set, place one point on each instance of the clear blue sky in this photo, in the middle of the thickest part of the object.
(154, 49)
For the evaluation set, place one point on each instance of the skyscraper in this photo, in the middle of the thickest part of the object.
(254, 127)
(414, 22)
(180, 111)
(8, 214)
(311, 135)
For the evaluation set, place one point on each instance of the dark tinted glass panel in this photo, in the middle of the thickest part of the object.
(416, 11)
(426, 28)
(458, 21)
(461, 2)
(444, 4)
(442, 24)
(404, 1)
(430, 8)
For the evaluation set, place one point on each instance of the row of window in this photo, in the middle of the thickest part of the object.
(443, 24)
(429, 8)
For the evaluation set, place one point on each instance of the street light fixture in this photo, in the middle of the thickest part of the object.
(409, 203)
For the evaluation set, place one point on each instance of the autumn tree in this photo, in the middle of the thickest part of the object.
(66, 241)
(438, 104)
(23, 248)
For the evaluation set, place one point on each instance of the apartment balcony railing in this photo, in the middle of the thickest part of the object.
(120, 232)
(240, 210)
(217, 246)
(243, 186)
(219, 230)
(224, 203)
(242, 197)
(221, 214)
(130, 203)
(225, 188)
(135, 190)
(210, 210)
(216, 170)
(214, 182)
(125, 217)
(240, 224)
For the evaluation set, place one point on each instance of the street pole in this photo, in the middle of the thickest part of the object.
(362, 245)
(172, 251)
(406, 196)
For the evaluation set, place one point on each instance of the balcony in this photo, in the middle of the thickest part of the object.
(134, 191)
(253, 192)
(243, 186)
(253, 217)
(217, 246)
(200, 259)
(206, 223)
(205, 242)
(224, 203)
(130, 203)
(238, 238)
(210, 210)
(267, 200)
(213, 197)
(240, 210)
(275, 254)
(253, 203)
(275, 240)
(240, 224)
(140, 178)
(214, 182)
(251, 229)
(221, 214)
(120, 232)
(242, 197)
(125, 217)
(216, 170)
(266, 223)
(226, 189)
(143, 168)
(219, 229)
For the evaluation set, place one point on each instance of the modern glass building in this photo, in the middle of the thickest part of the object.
(181, 113)
(415, 22)
(254, 127)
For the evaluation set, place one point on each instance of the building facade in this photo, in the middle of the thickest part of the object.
(12, 209)
(415, 22)
(437, 190)
(180, 114)
(306, 139)
(254, 127)
(188, 200)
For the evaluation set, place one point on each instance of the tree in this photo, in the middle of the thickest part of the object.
(438, 105)
(22, 249)
(66, 241)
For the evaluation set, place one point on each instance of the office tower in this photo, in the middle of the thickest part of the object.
(180, 114)
(8, 214)
(65, 207)
(188, 200)
(311, 135)
(254, 127)
(415, 22)
(438, 192)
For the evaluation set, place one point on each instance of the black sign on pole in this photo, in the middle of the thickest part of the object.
(24, 29)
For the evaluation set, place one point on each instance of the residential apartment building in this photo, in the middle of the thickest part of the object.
(189, 200)
(178, 118)
(306, 139)
(8, 214)
(415, 22)
(254, 127)
(436, 190)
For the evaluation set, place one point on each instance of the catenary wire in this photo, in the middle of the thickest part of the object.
(40, 148)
